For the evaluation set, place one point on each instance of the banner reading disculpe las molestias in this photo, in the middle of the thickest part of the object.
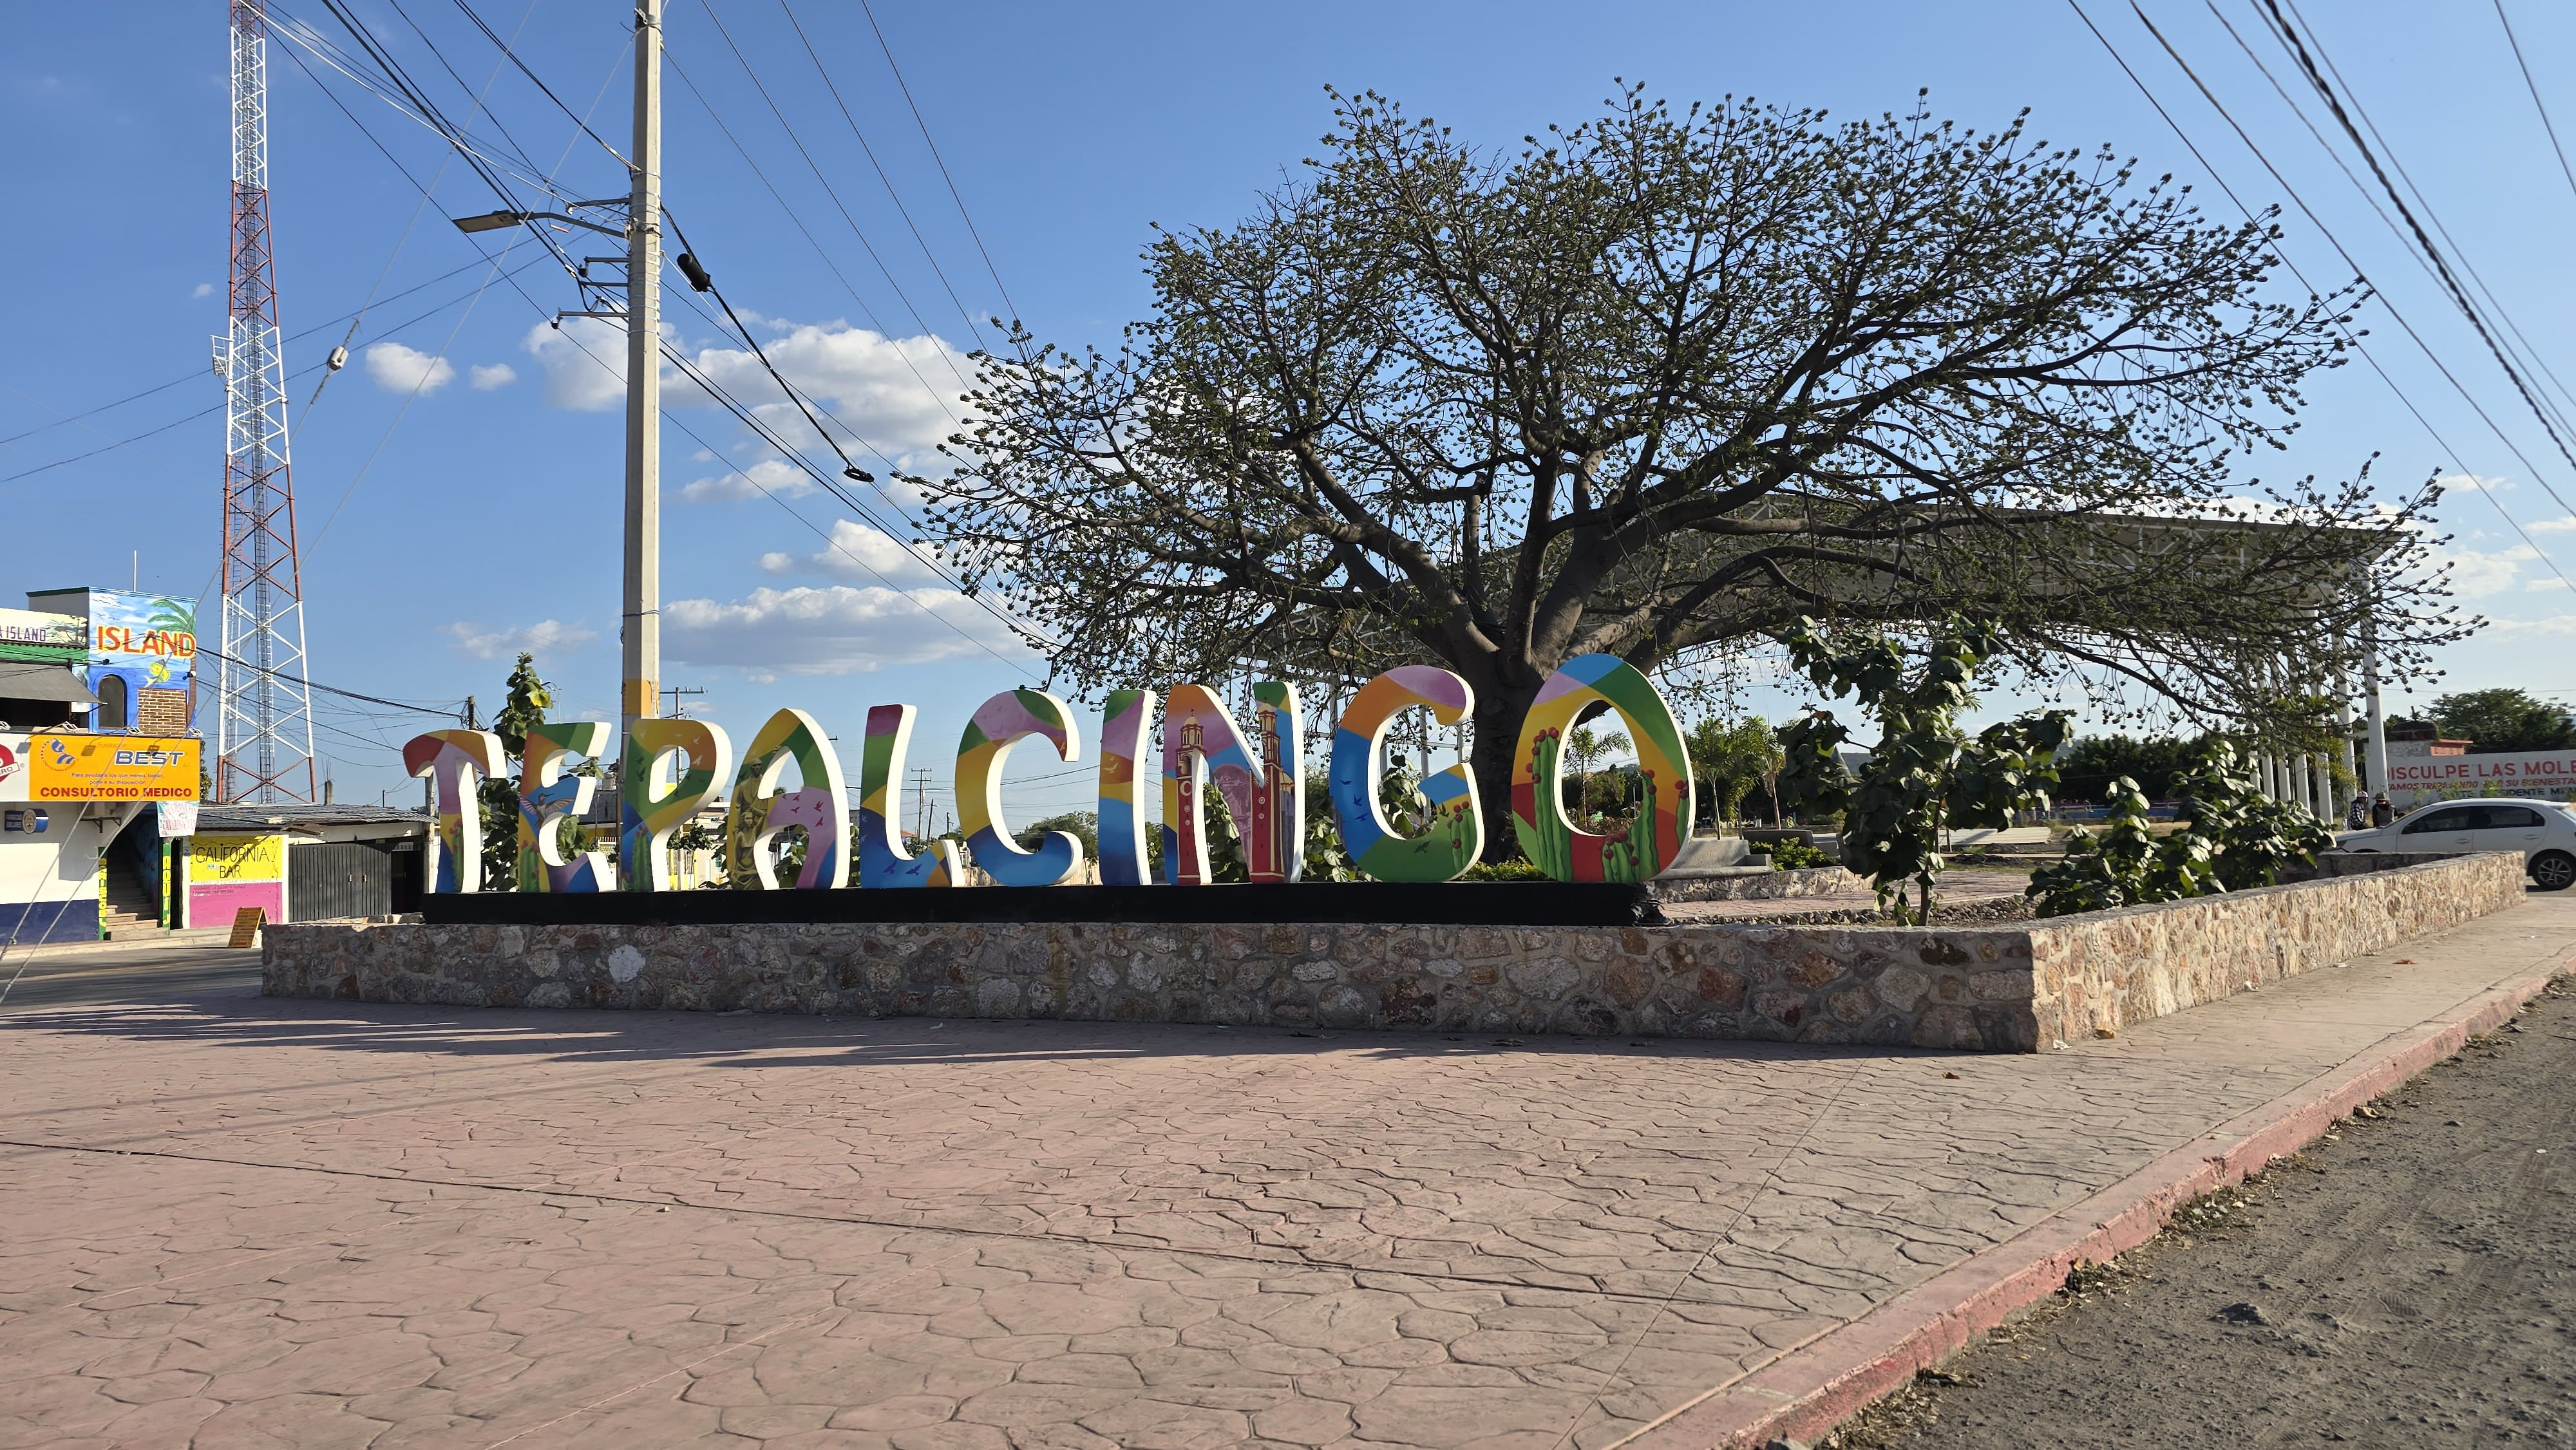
(2425, 777)
(1259, 773)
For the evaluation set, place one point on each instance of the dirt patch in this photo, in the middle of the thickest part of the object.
(1964, 898)
(2409, 1280)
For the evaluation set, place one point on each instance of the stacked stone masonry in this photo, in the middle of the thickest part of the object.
(2018, 988)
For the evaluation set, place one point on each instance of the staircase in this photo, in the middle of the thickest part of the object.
(130, 910)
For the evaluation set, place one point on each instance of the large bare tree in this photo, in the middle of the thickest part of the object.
(1672, 379)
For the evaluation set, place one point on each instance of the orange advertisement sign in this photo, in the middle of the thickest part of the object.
(111, 768)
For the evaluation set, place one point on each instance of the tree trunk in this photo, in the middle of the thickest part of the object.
(1493, 753)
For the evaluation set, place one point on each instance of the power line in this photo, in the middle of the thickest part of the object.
(828, 189)
(410, 706)
(2459, 294)
(217, 408)
(193, 374)
(2534, 87)
(713, 390)
(513, 57)
(2328, 233)
(807, 232)
(871, 153)
(954, 195)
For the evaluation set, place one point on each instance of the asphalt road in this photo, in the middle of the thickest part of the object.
(2408, 1281)
(108, 973)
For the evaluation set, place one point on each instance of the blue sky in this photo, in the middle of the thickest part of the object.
(459, 484)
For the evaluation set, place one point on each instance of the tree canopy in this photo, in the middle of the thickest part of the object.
(1668, 381)
(2499, 721)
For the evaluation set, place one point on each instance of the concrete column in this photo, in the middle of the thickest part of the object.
(2378, 739)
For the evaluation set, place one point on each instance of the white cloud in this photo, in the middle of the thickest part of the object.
(494, 375)
(399, 369)
(2477, 573)
(831, 631)
(2556, 526)
(204, 289)
(585, 362)
(857, 552)
(546, 636)
(2536, 586)
(2554, 625)
(2454, 482)
(776, 475)
(899, 394)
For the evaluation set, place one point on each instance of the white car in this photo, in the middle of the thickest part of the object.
(2543, 831)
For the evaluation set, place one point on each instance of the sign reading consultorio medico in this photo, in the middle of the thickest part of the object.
(111, 768)
(1258, 773)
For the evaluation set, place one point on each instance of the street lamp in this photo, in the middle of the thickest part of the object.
(490, 221)
(493, 221)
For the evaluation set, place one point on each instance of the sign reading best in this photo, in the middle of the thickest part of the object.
(111, 768)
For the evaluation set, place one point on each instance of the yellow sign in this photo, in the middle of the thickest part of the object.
(236, 858)
(111, 768)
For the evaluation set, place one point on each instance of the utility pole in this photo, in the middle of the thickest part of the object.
(676, 692)
(641, 623)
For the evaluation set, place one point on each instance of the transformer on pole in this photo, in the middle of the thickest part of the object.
(263, 712)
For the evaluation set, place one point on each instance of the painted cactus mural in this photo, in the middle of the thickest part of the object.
(1633, 850)
(455, 761)
(1456, 835)
(1274, 835)
(761, 810)
(1201, 747)
(882, 859)
(1000, 723)
(550, 800)
(1126, 737)
(649, 814)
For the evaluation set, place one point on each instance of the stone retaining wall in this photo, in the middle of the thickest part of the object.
(1760, 885)
(2017, 988)
(2098, 972)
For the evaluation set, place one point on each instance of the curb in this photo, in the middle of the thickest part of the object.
(158, 937)
(1817, 1385)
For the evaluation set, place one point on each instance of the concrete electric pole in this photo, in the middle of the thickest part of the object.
(641, 624)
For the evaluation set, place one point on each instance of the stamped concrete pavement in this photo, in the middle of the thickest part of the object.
(248, 1222)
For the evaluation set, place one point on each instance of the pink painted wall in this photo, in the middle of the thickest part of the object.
(214, 905)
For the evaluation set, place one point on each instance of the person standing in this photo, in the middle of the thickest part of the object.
(2381, 812)
(2359, 815)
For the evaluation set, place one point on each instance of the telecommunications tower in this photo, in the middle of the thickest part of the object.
(263, 712)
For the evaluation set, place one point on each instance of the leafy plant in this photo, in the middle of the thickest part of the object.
(1797, 856)
(1925, 775)
(2232, 837)
(1516, 869)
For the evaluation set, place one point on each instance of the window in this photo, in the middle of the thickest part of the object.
(2510, 818)
(113, 712)
(2449, 818)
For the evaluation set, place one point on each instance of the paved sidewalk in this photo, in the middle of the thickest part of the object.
(316, 1224)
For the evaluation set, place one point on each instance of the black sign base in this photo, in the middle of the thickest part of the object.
(1455, 903)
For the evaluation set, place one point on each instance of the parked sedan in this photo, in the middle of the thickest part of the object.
(2543, 831)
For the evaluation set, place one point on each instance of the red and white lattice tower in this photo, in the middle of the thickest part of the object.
(263, 712)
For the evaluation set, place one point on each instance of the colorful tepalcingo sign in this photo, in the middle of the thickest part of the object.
(1259, 774)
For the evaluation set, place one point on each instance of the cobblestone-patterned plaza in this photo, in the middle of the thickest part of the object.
(257, 1222)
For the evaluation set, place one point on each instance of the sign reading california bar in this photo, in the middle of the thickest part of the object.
(1259, 773)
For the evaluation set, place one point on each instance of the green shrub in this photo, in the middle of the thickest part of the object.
(1796, 856)
(1513, 870)
(2233, 837)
